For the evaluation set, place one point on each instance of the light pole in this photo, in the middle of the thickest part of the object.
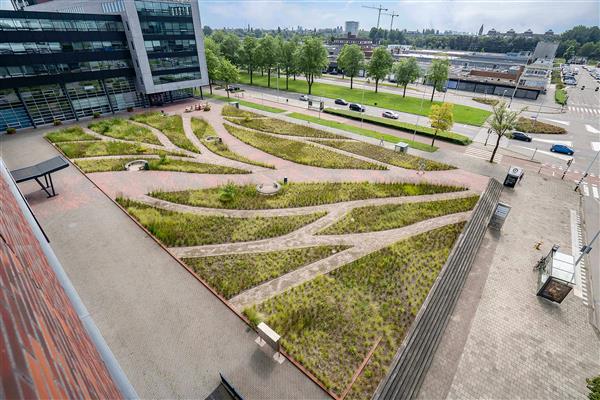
(419, 115)
(362, 113)
(586, 248)
(586, 171)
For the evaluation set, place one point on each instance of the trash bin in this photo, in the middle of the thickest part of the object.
(236, 104)
(513, 176)
(401, 147)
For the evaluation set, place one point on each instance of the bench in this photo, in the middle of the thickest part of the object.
(269, 336)
(45, 169)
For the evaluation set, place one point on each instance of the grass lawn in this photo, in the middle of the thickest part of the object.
(299, 152)
(122, 129)
(451, 137)
(72, 134)
(530, 126)
(156, 164)
(384, 155)
(249, 104)
(231, 274)
(280, 127)
(462, 114)
(330, 323)
(392, 216)
(362, 131)
(560, 96)
(106, 148)
(175, 229)
(301, 194)
(171, 126)
(202, 130)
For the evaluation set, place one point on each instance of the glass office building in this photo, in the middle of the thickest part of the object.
(66, 60)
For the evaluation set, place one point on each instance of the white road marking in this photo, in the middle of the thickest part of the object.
(595, 192)
(553, 141)
(561, 156)
(567, 123)
(586, 190)
(595, 146)
(591, 129)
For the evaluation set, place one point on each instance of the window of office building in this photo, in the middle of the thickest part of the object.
(170, 78)
(12, 112)
(47, 103)
(170, 28)
(88, 97)
(122, 93)
(166, 63)
(168, 46)
(158, 8)
(40, 24)
(60, 47)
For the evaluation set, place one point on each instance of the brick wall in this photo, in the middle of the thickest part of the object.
(45, 351)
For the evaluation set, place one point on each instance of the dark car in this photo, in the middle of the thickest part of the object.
(357, 107)
(516, 135)
(341, 102)
(561, 148)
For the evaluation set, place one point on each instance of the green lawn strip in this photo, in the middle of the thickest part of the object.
(122, 129)
(246, 197)
(379, 153)
(280, 127)
(156, 164)
(362, 131)
(231, 274)
(560, 96)
(203, 130)
(393, 216)
(108, 148)
(451, 137)
(175, 229)
(249, 104)
(532, 126)
(330, 323)
(413, 105)
(71, 134)
(170, 125)
(299, 152)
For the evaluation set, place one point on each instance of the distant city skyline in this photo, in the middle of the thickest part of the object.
(460, 16)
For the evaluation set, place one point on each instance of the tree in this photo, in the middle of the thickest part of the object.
(288, 58)
(593, 384)
(502, 123)
(441, 118)
(570, 53)
(312, 59)
(248, 54)
(351, 60)
(230, 47)
(438, 74)
(207, 30)
(211, 52)
(380, 65)
(267, 54)
(227, 73)
(406, 71)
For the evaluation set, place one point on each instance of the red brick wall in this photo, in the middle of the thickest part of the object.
(45, 351)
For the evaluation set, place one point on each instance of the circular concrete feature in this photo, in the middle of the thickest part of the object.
(137, 165)
(268, 189)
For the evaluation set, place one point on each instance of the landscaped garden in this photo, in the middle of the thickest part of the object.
(451, 137)
(72, 134)
(331, 323)
(532, 126)
(177, 229)
(163, 163)
(380, 153)
(249, 104)
(211, 140)
(108, 148)
(170, 125)
(393, 216)
(246, 197)
(462, 114)
(122, 129)
(299, 152)
(231, 274)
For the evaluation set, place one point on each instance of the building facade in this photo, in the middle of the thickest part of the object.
(351, 28)
(65, 60)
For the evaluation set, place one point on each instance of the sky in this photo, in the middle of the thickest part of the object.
(456, 15)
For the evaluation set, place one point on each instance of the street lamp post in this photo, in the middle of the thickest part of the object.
(587, 171)
(587, 248)
(419, 115)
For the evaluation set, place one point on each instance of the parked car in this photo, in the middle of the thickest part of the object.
(233, 88)
(390, 114)
(595, 90)
(357, 107)
(304, 97)
(561, 148)
(517, 135)
(341, 102)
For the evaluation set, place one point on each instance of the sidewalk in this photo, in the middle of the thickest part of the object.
(170, 334)
(503, 342)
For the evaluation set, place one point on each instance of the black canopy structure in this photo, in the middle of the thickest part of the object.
(41, 170)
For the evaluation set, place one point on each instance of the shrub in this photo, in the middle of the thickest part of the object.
(57, 122)
(207, 107)
(490, 102)
(11, 130)
(96, 115)
(71, 134)
(560, 96)
(129, 109)
(227, 193)
(254, 316)
(532, 126)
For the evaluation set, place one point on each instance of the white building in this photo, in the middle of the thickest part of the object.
(351, 28)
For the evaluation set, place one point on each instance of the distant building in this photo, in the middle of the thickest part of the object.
(19, 4)
(511, 32)
(351, 28)
(492, 32)
(480, 31)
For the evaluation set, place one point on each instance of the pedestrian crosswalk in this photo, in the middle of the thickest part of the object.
(590, 190)
(482, 153)
(584, 110)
